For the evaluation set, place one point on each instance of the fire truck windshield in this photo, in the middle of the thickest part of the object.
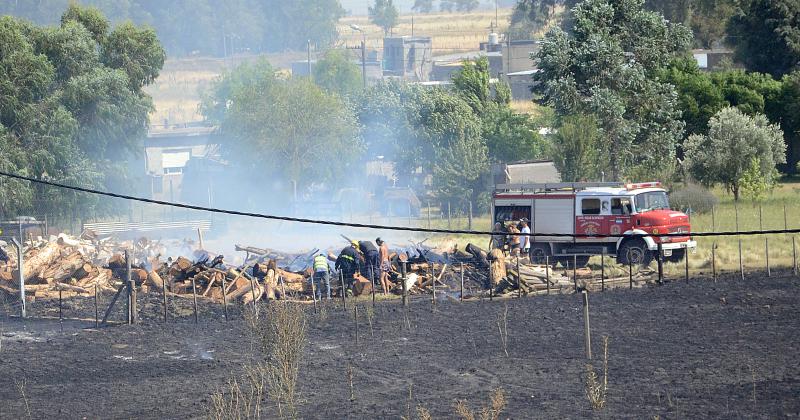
(653, 200)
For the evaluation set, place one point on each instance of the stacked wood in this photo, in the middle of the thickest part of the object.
(60, 263)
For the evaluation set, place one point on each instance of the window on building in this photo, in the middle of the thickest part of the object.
(173, 171)
(175, 158)
(590, 206)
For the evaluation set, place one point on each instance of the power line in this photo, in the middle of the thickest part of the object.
(371, 226)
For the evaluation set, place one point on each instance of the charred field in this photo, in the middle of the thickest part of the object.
(704, 349)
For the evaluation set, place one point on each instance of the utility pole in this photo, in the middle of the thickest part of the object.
(508, 50)
(496, 21)
(308, 51)
(364, 60)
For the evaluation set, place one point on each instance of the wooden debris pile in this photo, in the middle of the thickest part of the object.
(60, 263)
(213, 280)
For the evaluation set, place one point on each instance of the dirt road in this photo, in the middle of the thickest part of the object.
(700, 350)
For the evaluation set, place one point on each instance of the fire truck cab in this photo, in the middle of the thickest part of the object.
(588, 209)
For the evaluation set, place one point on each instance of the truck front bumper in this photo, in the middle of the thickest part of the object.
(669, 246)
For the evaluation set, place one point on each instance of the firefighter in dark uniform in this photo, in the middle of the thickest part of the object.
(349, 263)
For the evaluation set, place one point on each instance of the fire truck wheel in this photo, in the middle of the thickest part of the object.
(538, 253)
(677, 256)
(634, 252)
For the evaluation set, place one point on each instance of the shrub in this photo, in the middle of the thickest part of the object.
(694, 197)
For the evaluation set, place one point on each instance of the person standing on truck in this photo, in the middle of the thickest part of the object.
(525, 240)
(372, 260)
(383, 254)
(322, 273)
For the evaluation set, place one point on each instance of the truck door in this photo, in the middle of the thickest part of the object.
(620, 220)
(589, 220)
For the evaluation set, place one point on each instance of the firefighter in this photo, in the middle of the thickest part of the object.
(348, 263)
(322, 273)
(371, 267)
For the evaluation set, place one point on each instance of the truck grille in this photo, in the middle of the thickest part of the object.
(679, 229)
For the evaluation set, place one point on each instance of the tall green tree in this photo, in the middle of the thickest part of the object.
(67, 114)
(574, 148)
(766, 35)
(285, 128)
(608, 68)
(734, 142)
(336, 72)
(509, 136)
(384, 14)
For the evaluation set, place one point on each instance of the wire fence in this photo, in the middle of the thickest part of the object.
(739, 252)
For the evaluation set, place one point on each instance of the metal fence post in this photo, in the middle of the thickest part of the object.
(404, 273)
(575, 271)
(547, 272)
(586, 329)
(766, 239)
(603, 270)
(686, 260)
(630, 274)
(741, 263)
(660, 261)
(714, 261)
(21, 270)
(519, 280)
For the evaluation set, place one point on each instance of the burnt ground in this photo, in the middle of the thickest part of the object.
(726, 350)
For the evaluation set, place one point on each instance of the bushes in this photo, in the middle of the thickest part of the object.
(694, 197)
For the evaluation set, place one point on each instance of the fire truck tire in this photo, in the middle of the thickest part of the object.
(634, 252)
(538, 253)
(677, 256)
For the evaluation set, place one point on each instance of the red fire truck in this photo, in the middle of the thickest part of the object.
(588, 209)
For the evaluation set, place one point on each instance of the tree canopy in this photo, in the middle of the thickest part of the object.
(72, 106)
(607, 68)
(335, 72)
(737, 148)
(384, 14)
(286, 128)
(210, 27)
(766, 35)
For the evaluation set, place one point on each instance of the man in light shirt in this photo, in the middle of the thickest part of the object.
(525, 240)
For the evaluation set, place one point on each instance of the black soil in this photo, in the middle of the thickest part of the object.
(726, 350)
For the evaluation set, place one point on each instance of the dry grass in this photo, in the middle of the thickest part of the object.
(278, 341)
(597, 391)
(178, 90)
(502, 327)
(23, 395)
(451, 32)
(492, 411)
(369, 311)
(241, 398)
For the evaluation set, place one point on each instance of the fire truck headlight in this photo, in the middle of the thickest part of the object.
(655, 231)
